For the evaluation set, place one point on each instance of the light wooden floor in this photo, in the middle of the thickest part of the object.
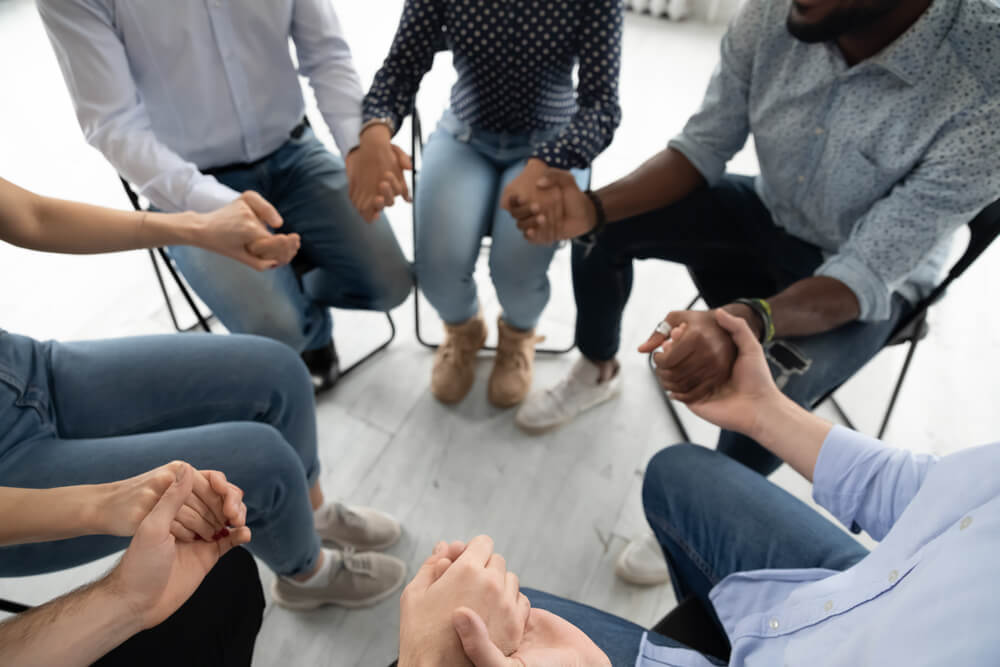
(560, 507)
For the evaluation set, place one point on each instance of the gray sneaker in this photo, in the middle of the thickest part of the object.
(363, 528)
(353, 580)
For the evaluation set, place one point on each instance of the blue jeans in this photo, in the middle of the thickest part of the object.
(465, 170)
(344, 262)
(732, 247)
(98, 411)
(713, 517)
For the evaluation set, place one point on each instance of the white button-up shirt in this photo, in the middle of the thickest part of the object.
(164, 88)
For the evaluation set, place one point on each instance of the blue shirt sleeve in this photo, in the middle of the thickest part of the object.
(864, 483)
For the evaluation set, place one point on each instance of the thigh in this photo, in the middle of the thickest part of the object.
(714, 517)
(358, 264)
(455, 198)
(152, 383)
(510, 252)
(219, 623)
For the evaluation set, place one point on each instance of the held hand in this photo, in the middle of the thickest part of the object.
(577, 211)
(375, 172)
(750, 389)
(240, 230)
(523, 192)
(158, 574)
(699, 359)
(477, 579)
(213, 505)
(549, 641)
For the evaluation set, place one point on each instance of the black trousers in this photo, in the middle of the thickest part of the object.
(217, 626)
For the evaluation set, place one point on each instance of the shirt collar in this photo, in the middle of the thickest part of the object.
(913, 54)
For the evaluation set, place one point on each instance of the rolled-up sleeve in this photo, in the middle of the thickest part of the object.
(598, 115)
(957, 178)
(864, 483)
(719, 129)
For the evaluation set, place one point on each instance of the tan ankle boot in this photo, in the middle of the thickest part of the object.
(455, 360)
(512, 368)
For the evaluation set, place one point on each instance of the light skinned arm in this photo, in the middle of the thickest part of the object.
(155, 577)
(117, 508)
(238, 230)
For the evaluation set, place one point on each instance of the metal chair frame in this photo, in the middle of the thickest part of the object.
(203, 318)
(983, 230)
(416, 149)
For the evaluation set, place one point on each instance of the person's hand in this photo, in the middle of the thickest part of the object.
(574, 216)
(750, 390)
(158, 573)
(476, 578)
(118, 508)
(375, 172)
(523, 194)
(699, 359)
(549, 641)
(240, 230)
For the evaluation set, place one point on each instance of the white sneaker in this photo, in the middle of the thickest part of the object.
(577, 392)
(642, 563)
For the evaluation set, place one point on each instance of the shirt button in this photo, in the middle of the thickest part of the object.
(893, 576)
(773, 623)
(966, 522)
(828, 606)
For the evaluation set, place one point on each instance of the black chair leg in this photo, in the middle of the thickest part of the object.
(841, 413)
(13, 607)
(202, 319)
(895, 390)
(370, 355)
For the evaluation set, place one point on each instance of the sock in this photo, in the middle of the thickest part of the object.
(320, 576)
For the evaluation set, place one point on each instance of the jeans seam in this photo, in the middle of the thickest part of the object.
(695, 557)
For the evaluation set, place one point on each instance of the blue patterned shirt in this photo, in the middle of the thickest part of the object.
(515, 63)
(876, 164)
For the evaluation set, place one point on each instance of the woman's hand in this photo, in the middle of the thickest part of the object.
(213, 507)
(241, 230)
(375, 172)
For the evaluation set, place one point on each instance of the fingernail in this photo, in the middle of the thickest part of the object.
(181, 472)
(224, 532)
(439, 547)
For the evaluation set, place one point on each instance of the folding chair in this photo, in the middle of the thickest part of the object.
(983, 230)
(203, 318)
(416, 149)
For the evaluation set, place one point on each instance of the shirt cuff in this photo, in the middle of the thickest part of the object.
(711, 167)
(834, 486)
(209, 194)
(874, 296)
(346, 133)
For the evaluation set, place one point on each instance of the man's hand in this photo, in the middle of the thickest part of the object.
(118, 508)
(158, 574)
(523, 193)
(737, 403)
(375, 172)
(574, 216)
(240, 230)
(700, 358)
(458, 576)
(549, 641)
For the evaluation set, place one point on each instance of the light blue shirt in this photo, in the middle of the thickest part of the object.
(876, 164)
(164, 88)
(926, 595)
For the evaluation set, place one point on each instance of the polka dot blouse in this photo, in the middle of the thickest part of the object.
(515, 61)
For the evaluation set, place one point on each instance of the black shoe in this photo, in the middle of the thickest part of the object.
(324, 366)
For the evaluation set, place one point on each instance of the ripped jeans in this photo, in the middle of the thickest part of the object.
(726, 237)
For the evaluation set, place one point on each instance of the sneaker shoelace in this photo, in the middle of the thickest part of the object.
(347, 516)
(355, 563)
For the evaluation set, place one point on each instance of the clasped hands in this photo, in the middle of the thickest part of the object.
(241, 230)
(375, 172)
(465, 608)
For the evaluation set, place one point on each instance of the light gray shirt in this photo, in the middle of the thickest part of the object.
(164, 88)
(877, 164)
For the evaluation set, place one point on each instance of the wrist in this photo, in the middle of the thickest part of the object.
(124, 616)
(774, 413)
(375, 133)
(748, 314)
(188, 228)
(91, 514)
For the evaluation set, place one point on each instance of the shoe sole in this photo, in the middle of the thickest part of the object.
(538, 430)
(310, 605)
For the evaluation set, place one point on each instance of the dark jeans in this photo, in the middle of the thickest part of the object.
(713, 517)
(217, 626)
(732, 247)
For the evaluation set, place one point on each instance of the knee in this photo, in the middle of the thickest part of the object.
(676, 474)
(277, 365)
(271, 470)
(276, 320)
(394, 284)
(439, 266)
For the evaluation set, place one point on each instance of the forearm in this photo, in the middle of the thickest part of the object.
(790, 432)
(54, 225)
(75, 629)
(665, 178)
(41, 515)
(811, 306)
